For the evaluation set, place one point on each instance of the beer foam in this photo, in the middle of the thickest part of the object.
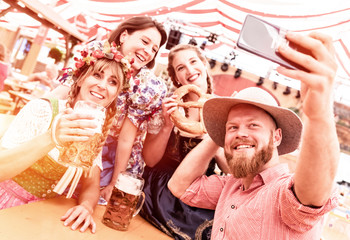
(97, 111)
(129, 184)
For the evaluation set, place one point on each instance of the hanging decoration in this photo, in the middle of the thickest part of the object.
(173, 39)
(224, 67)
(238, 73)
(204, 43)
(212, 37)
(212, 63)
(193, 42)
(260, 82)
(287, 91)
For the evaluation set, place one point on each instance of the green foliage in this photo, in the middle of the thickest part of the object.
(295, 109)
(56, 54)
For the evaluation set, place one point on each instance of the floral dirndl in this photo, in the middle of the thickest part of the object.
(141, 104)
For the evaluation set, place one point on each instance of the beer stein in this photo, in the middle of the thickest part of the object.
(126, 201)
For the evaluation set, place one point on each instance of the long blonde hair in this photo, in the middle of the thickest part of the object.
(111, 109)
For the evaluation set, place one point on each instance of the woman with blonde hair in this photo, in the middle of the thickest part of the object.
(31, 166)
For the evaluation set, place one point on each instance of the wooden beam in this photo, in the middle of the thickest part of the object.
(3, 12)
(50, 18)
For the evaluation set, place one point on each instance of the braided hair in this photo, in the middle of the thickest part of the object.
(171, 70)
(111, 109)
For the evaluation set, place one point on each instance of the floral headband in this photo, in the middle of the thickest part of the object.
(96, 50)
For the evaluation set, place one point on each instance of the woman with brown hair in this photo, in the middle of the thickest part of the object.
(164, 151)
(140, 105)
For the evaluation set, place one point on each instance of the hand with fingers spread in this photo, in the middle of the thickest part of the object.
(77, 216)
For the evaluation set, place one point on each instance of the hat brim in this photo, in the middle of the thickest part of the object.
(216, 110)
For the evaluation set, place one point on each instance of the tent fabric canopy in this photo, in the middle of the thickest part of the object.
(223, 17)
(198, 18)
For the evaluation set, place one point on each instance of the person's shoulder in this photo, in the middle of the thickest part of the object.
(33, 119)
(38, 107)
(148, 80)
(39, 103)
(148, 75)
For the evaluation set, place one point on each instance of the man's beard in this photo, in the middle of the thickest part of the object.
(241, 165)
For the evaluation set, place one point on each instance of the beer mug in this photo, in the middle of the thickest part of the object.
(82, 154)
(78, 157)
(126, 201)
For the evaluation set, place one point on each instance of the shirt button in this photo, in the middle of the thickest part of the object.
(233, 206)
(221, 229)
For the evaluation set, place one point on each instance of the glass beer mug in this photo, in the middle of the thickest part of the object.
(126, 201)
(79, 156)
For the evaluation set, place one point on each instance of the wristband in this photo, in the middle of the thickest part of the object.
(53, 130)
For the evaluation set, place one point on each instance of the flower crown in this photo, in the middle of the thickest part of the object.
(96, 50)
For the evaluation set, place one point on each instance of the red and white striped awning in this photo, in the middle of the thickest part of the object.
(199, 18)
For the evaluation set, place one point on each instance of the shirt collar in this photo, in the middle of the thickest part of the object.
(274, 172)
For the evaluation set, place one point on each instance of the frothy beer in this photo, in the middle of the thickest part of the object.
(82, 154)
(94, 110)
(129, 184)
(122, 206)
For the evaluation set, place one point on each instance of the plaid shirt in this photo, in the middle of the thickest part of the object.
(267, 210)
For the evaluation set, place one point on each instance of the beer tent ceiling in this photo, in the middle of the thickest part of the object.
(199, 18)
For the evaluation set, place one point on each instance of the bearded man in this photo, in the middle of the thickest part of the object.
(261, 199)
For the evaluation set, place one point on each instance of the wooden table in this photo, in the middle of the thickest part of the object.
(20, 99)
(20, 86)
(41, 221)
(6, 104)
(5, 98)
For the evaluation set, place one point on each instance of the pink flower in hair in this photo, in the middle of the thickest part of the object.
(129, 73)
(97, 50)
(79, 63)
(118, 56)
(97, 54)
(84, 53)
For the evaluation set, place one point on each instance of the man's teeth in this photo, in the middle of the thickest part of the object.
(97, 95)
(243, 146)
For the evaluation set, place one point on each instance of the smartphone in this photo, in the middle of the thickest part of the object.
(262, 38)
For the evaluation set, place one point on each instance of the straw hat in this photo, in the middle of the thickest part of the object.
(215, 112)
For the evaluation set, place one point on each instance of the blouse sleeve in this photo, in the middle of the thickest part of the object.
(145, 98)
(33, 120)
